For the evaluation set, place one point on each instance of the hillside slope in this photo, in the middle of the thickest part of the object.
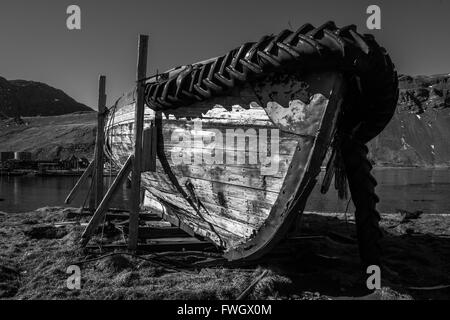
(51, 137)
(28, 98)
(418, 135)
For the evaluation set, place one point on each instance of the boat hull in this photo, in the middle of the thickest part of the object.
(236, 169)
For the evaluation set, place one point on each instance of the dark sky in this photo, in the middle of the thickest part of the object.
(36, 45)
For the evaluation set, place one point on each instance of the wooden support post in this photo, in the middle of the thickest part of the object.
(138, 128)
(149, 149)
(101, 210)
(93, 188)
(80, 183)
(100, 140)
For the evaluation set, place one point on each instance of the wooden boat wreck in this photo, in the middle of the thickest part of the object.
(240, 139)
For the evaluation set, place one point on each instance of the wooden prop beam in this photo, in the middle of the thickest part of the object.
(101, 210)
(100, 140)
(138, 130)
(83, 179)
(163, 245)
(159, 232)
(92, 205)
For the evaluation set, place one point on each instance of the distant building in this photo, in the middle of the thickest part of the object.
(70, 163)
(44, 166)
(5, 156)
(22, 156)
(16, 160)
(23, 161)
(74, 162)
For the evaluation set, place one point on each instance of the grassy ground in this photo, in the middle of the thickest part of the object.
(34, 256)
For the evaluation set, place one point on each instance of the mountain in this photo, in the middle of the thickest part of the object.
(45, 121)
(419, 133)
(20, 98)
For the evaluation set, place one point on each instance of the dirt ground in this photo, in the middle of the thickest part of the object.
(35, 255)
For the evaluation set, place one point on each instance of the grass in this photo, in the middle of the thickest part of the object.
(35, 255)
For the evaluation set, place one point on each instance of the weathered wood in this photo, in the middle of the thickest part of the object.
(229, 203)
(159, 245)
(231, 179)
(93, 188)
(119, 214)
(256, 201)
(149, 149)
(80, 183)
(126, 216)
(101, 210)
(100, 140)
(189, 225)
(138, 129)
(301, 178)
(158, 232)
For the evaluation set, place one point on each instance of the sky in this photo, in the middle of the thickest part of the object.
(36, 44)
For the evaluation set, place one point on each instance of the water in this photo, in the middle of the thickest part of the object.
(398, 188)
(28, 193)
(409, 189)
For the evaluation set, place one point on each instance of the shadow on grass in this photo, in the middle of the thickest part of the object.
(330, 265)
